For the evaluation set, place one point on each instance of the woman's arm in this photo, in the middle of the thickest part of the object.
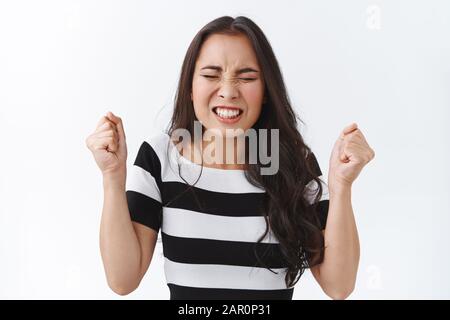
(337, 273)
(126, 247)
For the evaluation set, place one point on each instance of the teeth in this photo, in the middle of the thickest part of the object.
(226, 113)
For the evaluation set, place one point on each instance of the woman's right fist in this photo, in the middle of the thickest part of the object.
(108, 145)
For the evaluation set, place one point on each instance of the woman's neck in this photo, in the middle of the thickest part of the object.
(232, 155)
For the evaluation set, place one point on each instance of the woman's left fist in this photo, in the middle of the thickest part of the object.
(350, 154)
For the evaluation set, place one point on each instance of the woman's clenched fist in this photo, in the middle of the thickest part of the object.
(108, 145)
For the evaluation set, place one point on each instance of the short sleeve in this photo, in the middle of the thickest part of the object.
(143, 188)
(322, 204)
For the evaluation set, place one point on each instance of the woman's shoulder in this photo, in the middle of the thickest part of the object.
(154, 147)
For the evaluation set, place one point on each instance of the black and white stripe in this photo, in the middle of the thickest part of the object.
(210, 230)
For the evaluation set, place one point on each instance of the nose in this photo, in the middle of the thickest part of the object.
(228, 90)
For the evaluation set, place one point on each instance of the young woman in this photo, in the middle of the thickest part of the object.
(228, 230)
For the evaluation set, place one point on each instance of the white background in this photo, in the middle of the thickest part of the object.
(64, 64)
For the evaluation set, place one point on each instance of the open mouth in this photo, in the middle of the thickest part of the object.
(228, 113)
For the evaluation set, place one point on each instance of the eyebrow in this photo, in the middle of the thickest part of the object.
(218, 68)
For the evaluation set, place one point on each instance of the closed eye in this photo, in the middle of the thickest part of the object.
(216, 77)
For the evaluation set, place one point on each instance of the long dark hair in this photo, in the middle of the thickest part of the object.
(288, 213)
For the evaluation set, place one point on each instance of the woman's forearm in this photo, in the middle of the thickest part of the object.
(119, 244)
(340, 265)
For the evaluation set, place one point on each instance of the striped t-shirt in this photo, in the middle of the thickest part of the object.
(210, 230)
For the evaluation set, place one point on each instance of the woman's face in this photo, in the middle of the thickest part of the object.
(228, 87)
